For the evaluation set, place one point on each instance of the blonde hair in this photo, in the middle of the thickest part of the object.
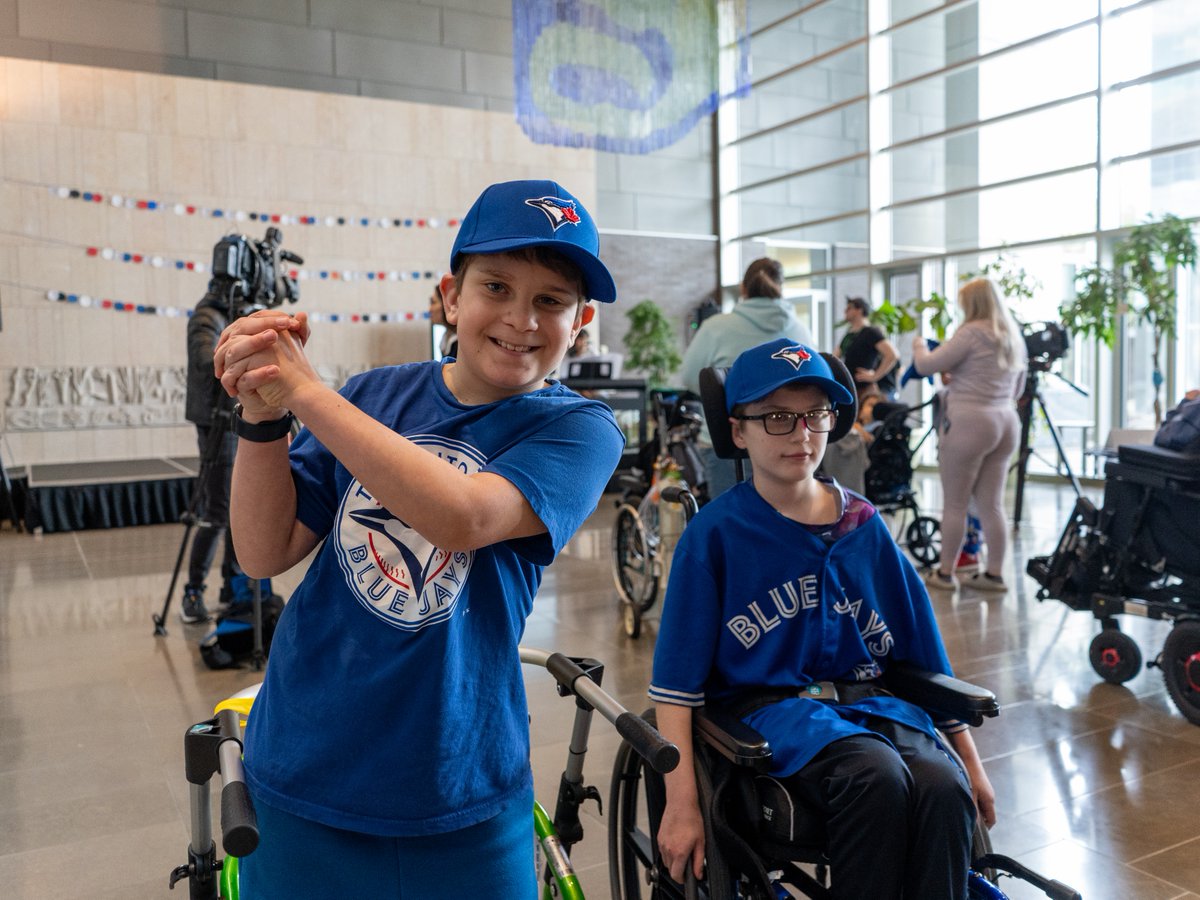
(981, 303)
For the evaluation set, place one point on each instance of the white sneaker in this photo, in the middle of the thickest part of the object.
(982, 581)
(936, 581)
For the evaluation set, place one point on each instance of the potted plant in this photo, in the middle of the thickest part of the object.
(1141, 282)
(651, 345)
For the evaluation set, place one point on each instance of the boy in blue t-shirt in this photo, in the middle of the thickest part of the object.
(789, 581)
(388, 750)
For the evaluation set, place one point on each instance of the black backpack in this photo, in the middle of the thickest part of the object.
(231, 643)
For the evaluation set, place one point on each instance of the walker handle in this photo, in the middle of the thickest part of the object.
(239, 824)
(641, 735)
(661, 754)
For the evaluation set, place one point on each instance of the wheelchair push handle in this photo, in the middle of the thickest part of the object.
(677, 494)
(574, 679)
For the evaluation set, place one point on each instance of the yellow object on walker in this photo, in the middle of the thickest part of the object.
(240, 702)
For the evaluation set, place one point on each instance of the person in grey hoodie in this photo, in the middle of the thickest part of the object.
(760, 315)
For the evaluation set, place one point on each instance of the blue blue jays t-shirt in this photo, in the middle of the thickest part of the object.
(393, 702)
(758, 600)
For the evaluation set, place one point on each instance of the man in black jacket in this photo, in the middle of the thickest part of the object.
(209, 409)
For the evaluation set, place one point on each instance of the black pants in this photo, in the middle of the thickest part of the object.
(213, 509)
(900, 818)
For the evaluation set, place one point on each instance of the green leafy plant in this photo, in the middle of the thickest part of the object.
(1012, 280)
(1141, 283)
(901, 318)
(651, 345)
(894, 319)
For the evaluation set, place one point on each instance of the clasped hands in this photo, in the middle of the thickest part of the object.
(260, 360)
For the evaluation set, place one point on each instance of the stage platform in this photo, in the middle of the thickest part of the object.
(54, 497)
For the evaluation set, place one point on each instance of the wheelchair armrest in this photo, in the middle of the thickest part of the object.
(732, 738)
(941, 695)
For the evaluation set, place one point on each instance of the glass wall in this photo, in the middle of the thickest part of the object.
(886, 138)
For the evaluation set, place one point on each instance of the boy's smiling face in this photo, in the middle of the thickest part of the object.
(783, 458)
(515, 320)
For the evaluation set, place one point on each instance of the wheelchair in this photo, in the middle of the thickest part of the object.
(759, 843)
(1139, 555)
(649, 512)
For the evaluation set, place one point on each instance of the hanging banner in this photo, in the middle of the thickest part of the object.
(626, 76)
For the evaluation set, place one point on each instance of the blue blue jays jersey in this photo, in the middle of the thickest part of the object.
(757, 600)
(393, 702)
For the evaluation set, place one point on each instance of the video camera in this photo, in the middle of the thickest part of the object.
(249, 270)
(1045, 344)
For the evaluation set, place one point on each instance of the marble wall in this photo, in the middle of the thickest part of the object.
(150, 157)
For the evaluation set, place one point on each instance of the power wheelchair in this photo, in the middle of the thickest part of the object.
(759, 844)
(1138, 554)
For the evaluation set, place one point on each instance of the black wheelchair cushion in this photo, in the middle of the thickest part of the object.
(780, 821)
(1148, 462)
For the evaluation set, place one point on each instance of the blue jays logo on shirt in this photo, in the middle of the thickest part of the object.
(559, 212)
(393, 571)
(796, 355)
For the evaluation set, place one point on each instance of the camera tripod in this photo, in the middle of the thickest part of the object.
(1025, 405)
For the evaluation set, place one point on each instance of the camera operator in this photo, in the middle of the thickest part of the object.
(209, 409)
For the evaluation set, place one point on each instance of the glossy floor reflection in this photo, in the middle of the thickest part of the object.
(1098, 785)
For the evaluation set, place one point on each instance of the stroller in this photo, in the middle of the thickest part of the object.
(1138, 554)
(889, 479)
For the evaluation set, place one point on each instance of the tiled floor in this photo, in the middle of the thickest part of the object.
(1098, 785)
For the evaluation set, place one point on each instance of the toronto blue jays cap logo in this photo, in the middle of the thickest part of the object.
(559, 212)
(761, 370)
(391, 569)
(796, 355)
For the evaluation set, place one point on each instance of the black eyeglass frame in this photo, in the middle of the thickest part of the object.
(778, 415)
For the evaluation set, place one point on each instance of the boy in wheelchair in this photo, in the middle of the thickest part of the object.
(788, 598)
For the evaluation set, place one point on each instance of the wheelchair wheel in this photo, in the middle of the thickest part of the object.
(635, 571)
(1115, 656)
(635, 805)
(924, 539)
(1181, 668)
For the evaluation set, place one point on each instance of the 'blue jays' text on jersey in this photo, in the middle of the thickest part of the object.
(393, 702)
(757, 600)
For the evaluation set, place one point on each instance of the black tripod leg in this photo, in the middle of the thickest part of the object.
(160, 620)
(1062, 454)
(259, 659)
(1026, 416)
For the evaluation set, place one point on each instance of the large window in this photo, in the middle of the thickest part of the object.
(891, 136)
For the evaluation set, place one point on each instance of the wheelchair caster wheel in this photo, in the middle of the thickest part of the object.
(1181, 668)
(631, 618)
(1115, 656)
(924, 539)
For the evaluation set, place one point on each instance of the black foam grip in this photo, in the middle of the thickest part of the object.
(662, 755)
(673, 494)
(239, 825)
(1059, 891)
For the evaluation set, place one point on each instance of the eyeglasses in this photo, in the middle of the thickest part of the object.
(817, 421)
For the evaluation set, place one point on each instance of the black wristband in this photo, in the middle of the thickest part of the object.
(262, 432)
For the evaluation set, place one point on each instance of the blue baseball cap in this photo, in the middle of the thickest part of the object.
(768, 367)
(516, 214)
